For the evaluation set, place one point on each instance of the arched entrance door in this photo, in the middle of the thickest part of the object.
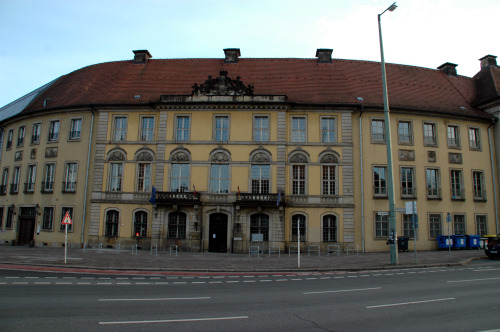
(217, 233)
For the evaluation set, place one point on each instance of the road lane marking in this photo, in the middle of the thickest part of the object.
(344, 290)
(157, 299)
(472, 280)
(172, 320)
(406, 303)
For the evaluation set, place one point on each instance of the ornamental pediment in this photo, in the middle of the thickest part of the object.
(222, 86)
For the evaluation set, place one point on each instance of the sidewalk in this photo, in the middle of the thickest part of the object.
(125, 260)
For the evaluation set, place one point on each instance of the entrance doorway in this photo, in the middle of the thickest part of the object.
(26, 231)
(217, 234)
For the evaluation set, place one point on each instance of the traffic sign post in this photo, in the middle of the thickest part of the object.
(66, 221)
(448, 221)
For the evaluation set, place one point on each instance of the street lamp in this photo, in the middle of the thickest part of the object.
(390, 183)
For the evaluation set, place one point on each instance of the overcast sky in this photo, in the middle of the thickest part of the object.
(41, 40)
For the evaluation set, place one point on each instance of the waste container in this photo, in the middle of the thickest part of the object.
(403, 243)
(483, 241)
(459, 241)
(473, 241)
(443, 242)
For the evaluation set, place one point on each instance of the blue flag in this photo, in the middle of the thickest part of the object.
(152, 200)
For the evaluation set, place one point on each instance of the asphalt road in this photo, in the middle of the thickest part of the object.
(424, 299)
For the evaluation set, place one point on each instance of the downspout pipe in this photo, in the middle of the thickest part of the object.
(360, 99)
(87, 178)
(494, 179)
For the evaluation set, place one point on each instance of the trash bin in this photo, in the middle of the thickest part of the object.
(443, 243)
(459, 241)
(483, 242)
(403, 243)
(473, 241)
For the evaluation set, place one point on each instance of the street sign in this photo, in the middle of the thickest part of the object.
(411, 207)
(383, 213)
(402, 210)
(67, 219)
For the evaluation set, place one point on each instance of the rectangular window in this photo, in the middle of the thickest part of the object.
(63, 213)
(453, 137)
(144, 177)
(478, 186)
(222, 128)
(147, 128)
(381, 225)
(48, 218)
(378, 131)
(30, 179)
(177, 225)
(457, 192)
(260, 179)
(328, 130)
(329, 184)
(405, 135)
(379, 181)
(298, 129)
(48, 178)
(474, 141)
(434, 226)
(70, 177)
(5, 178)
(14, 187)
(75, 130)
(20, 135)
(459, 224)
(180, 178)
(259, 224)
(1, 217)
(54, 131)
(35, 133)
(261, 128)
(329, 228)
(481, 226)
(408, 230)
(10, 217)
(219, 179)
(433, 186)
(182, 128)
(120, 129)
(407, 182)
(430, 137)
(10, 138)
(115, 177)
(298, 179)
(300, 221)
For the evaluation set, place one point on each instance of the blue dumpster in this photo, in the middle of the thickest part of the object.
(443, 243)
(459, 241)
(473, 241)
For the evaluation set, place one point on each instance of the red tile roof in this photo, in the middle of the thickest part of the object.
(303, 81)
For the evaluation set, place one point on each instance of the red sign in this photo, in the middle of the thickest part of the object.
(67, 219)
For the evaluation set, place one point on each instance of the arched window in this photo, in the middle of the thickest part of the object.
(141, 224)
(300, 221)
(112, 222)
(299, 162)
(329, 228)
(260, 172)
(259, 224)
(219, 172)
(177, 225)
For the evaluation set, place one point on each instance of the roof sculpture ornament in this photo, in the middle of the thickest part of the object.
(223, 86)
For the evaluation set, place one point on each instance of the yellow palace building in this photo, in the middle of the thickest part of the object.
(226, 154)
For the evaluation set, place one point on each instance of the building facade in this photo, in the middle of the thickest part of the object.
(229, 154)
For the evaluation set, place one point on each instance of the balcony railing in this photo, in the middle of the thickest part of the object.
(69, 187)
(14, 188)
(173, 197)
(433, 193)
(458, 195)
(479, 195)
(259, 199)
(3, 189)
(47, 187)
(29, 187)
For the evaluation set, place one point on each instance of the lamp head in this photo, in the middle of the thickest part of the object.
(392, 7)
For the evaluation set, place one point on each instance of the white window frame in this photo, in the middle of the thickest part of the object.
(30, 178)
(377, 135)
(116, 177)
(431, 140)
(298, 133)
(182, 131)
(144, 176)
(36, 132)
(261, 128)
(70, 176)
(49, 174)
(147, 133)
(328, 130)
(220, 132)
(120, 128)
(179, 176)
(75, 129)
(54, 130)
(474, 139)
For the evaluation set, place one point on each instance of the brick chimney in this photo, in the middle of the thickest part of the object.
(488, 61)
(324, 55)
(231, 55)
(141, 56)
(449, 68)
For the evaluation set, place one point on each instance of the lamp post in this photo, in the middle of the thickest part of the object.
(390, 183)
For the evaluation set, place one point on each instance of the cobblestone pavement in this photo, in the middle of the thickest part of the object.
(111, 259)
